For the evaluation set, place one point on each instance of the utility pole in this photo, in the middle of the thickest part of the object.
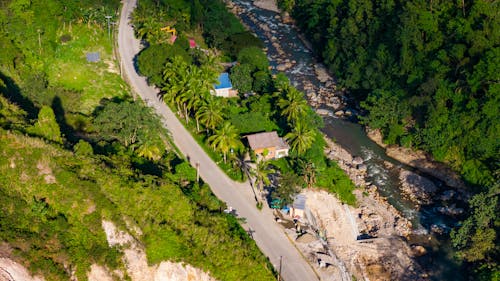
(109, 32)
(197, 172)
(279, 272)
(39, 40)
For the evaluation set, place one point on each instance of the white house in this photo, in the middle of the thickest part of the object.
(224, 88)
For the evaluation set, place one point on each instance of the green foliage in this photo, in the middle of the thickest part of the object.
(475, 239)
(179, 224)
(289, 185)
(336, 181)
(219, 26)
(130, 123)
(11, 116)
(225, 139)
(255, 57)
(428, 73)
(301, 138)
(252, 122)
(241, 78)
(46, 125)
(151, 61)
(83, 148)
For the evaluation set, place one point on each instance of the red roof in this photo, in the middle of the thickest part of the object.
(192, 44)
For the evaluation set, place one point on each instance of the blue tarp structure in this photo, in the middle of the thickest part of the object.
(93, 57)
(224, 82)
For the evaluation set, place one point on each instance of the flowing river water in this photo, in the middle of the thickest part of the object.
(284, 46)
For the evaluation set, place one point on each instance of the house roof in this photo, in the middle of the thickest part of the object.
(224, 82)
(266, 140)
(299, 202)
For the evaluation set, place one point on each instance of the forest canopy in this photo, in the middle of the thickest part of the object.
(427, 74)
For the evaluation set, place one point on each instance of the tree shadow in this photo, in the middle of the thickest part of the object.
(12, 92)
(65, 128)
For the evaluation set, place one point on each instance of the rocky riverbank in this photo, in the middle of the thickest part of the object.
(419, 160)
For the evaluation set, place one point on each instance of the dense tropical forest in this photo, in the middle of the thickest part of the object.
(266, 102)
(427, 74)
(76, 148)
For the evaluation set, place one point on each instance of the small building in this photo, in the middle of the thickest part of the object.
(224, 88)
(268, 145)
(298, 207)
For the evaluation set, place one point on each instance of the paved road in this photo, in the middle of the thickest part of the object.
(268, 235)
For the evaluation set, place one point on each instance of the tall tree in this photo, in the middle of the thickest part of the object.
(225, 138)
(293, 105)
(261, 173)
(301, 138)
(210, 114)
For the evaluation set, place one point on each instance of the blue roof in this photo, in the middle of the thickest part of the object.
(93, 57)
(224, 81)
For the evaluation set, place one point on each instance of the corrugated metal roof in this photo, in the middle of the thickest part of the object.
(299, 202)
(93, 57)
(264, 140)
(224, 82)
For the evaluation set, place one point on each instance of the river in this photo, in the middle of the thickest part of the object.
(284, 47)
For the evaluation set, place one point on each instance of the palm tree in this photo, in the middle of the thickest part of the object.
(245, 166)
(293, 105)
(151, 150)
(225, 139)
(240, 162)
(261, 173)
(301, 138)
(308, 172)
(210, 114)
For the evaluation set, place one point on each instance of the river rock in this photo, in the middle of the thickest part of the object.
(321, 73)
(450, 210)
(418, 250)
(439, 229)
(362, 167)
(357, 160)
(339, 113)
(324, 112)
(447, 195)
(284, 66)
(417, 188)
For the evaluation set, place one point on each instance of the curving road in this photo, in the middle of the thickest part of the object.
(268, 235)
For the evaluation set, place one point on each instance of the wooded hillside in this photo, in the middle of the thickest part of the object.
(427, 73)
(75, 148)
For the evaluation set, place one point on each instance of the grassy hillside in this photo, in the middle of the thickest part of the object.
(76, 149)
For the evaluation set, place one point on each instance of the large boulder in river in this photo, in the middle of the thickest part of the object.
(321, 73)
(417, 188)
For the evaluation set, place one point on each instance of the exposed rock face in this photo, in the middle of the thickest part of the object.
(418, 189)
(13, 271)
(270, 5)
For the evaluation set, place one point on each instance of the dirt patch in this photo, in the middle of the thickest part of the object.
(111, 67)
(45, 171)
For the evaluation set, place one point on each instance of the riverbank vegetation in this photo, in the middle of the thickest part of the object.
(77, 149)
(427, 75)
(266, 102)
